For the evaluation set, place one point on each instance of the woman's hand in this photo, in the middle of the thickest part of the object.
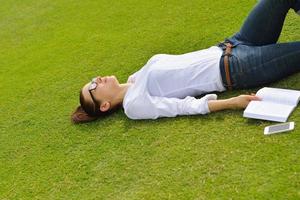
(242, 101)
(238, 102)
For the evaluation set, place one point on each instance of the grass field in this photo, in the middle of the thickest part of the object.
(50, 49)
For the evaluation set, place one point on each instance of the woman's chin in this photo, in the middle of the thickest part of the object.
(114, 79)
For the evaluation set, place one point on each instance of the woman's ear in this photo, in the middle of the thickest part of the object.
(105, 106)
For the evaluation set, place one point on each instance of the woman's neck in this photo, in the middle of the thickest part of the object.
(122, 92)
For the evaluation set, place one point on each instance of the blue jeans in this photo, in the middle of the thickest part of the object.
(257, 58)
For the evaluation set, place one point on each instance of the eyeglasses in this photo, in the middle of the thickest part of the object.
(92, 87)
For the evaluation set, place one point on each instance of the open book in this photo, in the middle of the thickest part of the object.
(276, 104)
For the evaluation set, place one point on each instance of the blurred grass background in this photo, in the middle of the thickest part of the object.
(50, 49)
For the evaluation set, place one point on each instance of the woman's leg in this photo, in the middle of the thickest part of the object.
(264, 24)
(258, 65)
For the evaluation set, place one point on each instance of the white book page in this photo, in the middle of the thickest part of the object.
(283, 96)
(268, 109)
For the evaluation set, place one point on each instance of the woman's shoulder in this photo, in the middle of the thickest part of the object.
(135, 105)
(133, 94)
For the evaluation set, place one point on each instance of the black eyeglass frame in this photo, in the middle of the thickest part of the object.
(93, 85)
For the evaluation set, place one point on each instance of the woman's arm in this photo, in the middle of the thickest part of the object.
(153, 107)
(238, 102)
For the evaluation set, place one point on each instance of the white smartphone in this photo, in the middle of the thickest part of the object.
(278, 128)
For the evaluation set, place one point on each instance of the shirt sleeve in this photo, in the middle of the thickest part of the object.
(153, 107)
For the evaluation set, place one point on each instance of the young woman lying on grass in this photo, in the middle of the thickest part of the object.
(167, 85)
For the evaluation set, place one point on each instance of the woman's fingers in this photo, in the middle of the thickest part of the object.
(254, 98)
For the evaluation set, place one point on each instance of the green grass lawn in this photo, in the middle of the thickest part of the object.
(50, 48)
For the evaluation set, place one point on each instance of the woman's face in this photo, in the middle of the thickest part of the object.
(105, 89)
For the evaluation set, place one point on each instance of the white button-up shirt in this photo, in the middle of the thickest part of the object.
(167, 85)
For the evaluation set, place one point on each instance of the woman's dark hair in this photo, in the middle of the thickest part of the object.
(87, 111)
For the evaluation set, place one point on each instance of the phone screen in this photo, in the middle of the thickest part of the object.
(279, 127)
